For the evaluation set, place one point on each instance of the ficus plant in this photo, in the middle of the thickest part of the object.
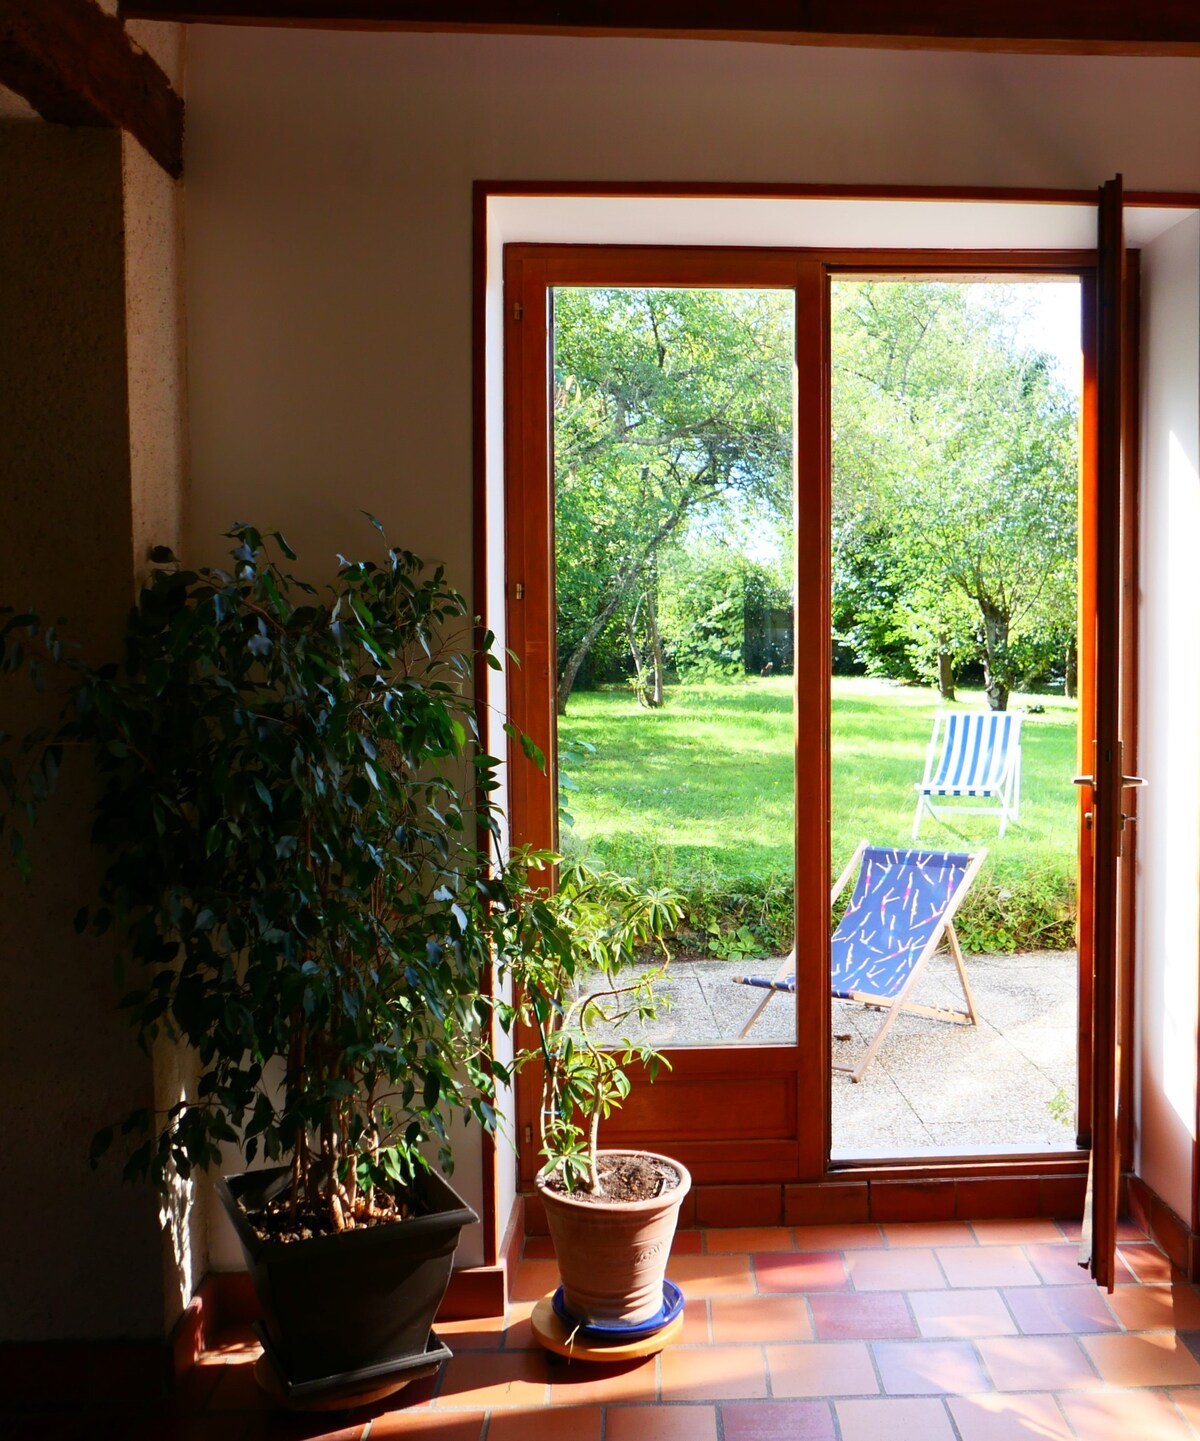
(289, 796)
(584, 975)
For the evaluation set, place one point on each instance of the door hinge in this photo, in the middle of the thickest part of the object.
(529, 1135)
(519, 590)
(518, 310)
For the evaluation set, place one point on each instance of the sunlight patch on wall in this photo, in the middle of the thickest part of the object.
(1180, 702)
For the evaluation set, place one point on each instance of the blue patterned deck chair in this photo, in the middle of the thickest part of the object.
(902, 906)
(973, 754)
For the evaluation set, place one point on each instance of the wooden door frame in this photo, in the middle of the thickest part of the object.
(813, 380)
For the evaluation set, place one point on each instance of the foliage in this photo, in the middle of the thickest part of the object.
(713, 597)
(290, 871)
(955, 462)
(671, 408)
(699, 796)
(581, 969)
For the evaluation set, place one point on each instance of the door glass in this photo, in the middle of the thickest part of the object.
(955, 449)
(673, 514)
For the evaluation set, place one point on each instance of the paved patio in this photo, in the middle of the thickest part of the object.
(932, 1084)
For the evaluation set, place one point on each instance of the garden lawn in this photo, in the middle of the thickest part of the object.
(699, 795)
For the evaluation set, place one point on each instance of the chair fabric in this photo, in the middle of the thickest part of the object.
(902, 905)
(974, 755)
(898, 904)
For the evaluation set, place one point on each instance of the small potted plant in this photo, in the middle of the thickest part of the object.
(287, 809)
(612, 1215)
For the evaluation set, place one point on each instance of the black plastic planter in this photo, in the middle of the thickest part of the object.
(342, 1309)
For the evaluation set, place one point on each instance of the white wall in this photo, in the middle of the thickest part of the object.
(1169, 751)
(329, 222)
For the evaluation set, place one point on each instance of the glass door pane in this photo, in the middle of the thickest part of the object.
(955, 450)
(673, 461)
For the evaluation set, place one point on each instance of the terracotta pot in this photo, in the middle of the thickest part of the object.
(612, 1255)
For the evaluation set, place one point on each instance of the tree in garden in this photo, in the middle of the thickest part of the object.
(716, 600)
(955, 464)
(670, 406)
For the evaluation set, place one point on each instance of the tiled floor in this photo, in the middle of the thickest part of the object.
(858, 1333)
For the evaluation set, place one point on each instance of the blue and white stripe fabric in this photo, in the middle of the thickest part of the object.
(975, 757)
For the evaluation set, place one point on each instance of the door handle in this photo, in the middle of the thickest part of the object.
(1126, 781)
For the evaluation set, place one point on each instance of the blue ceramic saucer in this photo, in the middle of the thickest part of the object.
(613, 1330)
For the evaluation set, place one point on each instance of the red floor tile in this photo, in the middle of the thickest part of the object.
(822, 1368)
(1156, 1307)
(518, 1334)
(661, 1423)
(712, 1275)
(777, 1421)
(749, 1238)
(585, 1383)
(1119, 1415)
(928, 1233)
(866, 1316)
(687, 1243)
(1059, 1266)
(1011, 1417)
(987, 1266)
(580, 1423)
(713, 1373)
(1188, 1403)
(905, 1270)
(1038, 1230)
(1154, 1359)
(1037, 1363)
(928, 1368)
(861, 1237)
(889, 1419)
(754, 1319)
(1147, 1263)
(485, 1334)
(538, 1248)
(483, 1379)
(1060, 1310)
(696, 1329)
(237, 1390)
(533, 1280)
(448, 1426)
(800, 1271)
(961, 1314)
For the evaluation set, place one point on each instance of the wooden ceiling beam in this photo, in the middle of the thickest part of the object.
(75, 65)
(1128, 27)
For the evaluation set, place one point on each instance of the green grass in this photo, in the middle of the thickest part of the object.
(699, 795)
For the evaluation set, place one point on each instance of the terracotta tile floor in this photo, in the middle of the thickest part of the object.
(931, 1333)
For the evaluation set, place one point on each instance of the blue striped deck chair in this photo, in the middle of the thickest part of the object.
(902, 907)
(975, 755)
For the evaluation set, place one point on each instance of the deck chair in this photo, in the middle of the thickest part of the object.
(902, 906)
(975, 754)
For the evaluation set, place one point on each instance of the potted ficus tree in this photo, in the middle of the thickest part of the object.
(288, 810)
(586, 986)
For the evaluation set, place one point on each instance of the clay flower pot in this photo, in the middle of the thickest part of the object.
(612, 1255)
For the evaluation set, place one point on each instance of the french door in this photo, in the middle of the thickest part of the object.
(726, 1112)
(1106, 784)
(729, 1112)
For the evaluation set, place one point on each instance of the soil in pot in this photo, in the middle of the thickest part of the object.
(635, 1176)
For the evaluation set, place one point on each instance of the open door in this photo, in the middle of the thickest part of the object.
(1108, 781)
